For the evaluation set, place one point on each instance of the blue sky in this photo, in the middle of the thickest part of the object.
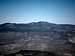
(25, 11)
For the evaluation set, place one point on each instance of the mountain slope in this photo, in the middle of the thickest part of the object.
(41, 36)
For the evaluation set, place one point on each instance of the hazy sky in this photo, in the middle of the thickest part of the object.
(25, 11)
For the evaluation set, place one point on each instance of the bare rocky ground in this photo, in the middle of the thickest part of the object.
(33, 41)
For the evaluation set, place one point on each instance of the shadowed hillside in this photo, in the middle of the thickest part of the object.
(47, 38)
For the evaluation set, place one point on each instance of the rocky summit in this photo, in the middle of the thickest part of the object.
(37, 39)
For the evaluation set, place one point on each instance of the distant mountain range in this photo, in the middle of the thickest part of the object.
(36, 27)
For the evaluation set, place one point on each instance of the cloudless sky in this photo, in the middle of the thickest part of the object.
(25, 11)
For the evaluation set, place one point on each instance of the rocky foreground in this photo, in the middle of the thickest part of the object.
(37, 39)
